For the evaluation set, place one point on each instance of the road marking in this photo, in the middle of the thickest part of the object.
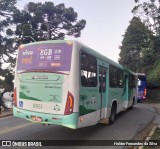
(15, 128)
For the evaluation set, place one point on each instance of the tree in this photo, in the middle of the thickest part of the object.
(149, 12)
(7, 7)
(47, 21)
(136, 41)
(6, 12)
(36, 21)
(8, 81)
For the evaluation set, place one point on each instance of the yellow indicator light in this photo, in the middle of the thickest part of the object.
(71, 102)
(21, 47)
(70, 43)
(81, 119)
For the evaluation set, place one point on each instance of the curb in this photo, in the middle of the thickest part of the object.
(149, 135)
(6, 115)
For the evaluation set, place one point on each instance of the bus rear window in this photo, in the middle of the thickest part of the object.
(46, 56)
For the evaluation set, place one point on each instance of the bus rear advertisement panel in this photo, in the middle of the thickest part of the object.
(50, 57)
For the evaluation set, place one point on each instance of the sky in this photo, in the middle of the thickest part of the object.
(107, 21)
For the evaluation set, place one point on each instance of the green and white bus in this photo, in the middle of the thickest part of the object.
(67, 83)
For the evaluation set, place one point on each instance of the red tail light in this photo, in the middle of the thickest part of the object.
(69, 104)
(15, 98)
(145, 92)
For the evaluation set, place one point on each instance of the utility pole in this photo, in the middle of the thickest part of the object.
(48, 28)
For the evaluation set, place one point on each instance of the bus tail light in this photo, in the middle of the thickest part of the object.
(69, 104)
(15, 98)
(145, 92)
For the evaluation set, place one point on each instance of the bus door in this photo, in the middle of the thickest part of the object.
(126, 87)
(102, 91)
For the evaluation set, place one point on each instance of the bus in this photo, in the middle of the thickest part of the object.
(64, 82)
(142, 85)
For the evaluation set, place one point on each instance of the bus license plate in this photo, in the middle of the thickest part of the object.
(36, 118)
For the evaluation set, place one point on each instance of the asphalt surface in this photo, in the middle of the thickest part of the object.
(126, 126)
(157, 115)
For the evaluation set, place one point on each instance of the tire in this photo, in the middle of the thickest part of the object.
(113, 114)
(132, 105)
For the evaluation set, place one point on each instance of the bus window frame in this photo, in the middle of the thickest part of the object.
(86, 78)
(113, 76)
(120, 78)
(132, 81)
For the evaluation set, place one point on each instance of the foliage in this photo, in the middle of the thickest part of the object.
(7, 83)
(153, 75)
(149, 13)
(7, 7)
(137, 40)
(6, 48)
(47, 21)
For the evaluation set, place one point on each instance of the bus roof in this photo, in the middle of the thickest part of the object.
(140, 74)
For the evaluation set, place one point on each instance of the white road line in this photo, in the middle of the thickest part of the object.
(15, 128)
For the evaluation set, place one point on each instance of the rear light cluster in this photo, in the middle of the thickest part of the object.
(69, 104)
(15, 98)
(145, 92)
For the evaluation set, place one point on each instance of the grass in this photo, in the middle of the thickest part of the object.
(156, 136)
(153, 95)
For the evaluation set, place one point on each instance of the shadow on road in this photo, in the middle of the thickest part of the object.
(90, 133)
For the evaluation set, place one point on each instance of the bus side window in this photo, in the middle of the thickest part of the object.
(120, 82)
(88, 70)
(84, 81)
(112, 76)
(132, 81)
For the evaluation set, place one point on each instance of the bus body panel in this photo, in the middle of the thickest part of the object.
(116, 94)
(42, 96)
(94, 109)
(34, 92)
(69, 121)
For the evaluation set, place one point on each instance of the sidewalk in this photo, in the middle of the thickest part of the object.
(156, 123)
(6, 113)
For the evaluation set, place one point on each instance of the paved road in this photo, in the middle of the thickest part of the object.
(125, 128)
(157, 116)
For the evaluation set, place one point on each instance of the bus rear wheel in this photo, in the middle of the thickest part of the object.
(132, 104)
(113, 114)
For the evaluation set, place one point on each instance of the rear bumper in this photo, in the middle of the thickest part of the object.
(141, 98)
(69, 121)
